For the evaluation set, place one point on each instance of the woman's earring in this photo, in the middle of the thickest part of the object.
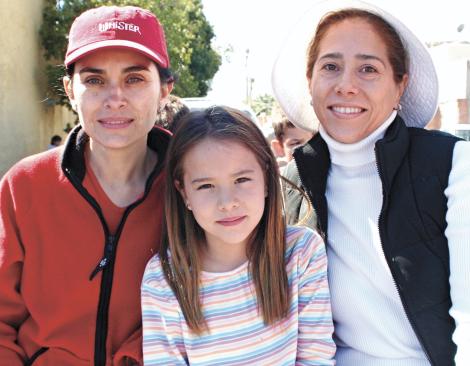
(398, 107)
(188, 206)
(311, 103)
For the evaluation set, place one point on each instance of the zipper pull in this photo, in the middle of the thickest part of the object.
(105, 260)
(99, 267)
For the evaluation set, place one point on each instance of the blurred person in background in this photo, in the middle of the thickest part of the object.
(171, 112)
(56, 140)
(287, 137)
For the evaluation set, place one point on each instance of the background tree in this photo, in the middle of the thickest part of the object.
(187, 31)
(263, 104)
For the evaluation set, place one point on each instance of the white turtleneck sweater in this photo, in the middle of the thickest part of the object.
(371, 326)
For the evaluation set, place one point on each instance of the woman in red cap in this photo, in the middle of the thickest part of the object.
(79, 223)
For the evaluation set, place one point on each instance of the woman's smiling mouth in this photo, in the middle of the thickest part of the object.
(115, 123)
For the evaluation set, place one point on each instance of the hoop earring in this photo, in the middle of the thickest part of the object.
(398, 107)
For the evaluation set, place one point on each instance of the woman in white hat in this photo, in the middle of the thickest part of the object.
(391, 198)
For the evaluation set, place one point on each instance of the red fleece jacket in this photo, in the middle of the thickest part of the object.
(51, 239)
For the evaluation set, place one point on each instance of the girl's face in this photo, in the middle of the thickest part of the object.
(352, 84)
(225, 188)
(116, 94)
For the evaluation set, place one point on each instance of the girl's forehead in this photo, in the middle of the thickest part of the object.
(218, 157)
(210, 148)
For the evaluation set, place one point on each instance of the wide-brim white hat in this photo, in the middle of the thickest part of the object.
(419, 101)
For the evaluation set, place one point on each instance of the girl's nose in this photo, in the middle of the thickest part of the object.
(227, 200)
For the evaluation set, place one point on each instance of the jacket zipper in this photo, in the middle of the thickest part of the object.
(106, 264)
(108, 251)
(106, 281)
(35, 355)
(392, 269)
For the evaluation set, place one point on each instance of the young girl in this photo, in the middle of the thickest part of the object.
(231, 284)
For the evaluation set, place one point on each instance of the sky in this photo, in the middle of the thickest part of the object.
(260, 26)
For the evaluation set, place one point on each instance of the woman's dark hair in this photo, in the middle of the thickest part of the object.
(184, 238)
(397, 55)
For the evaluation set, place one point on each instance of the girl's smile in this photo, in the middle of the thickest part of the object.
(231, 221)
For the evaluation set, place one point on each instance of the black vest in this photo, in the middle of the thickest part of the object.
(414, 166)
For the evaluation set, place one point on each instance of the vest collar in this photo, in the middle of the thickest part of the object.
(391, 151)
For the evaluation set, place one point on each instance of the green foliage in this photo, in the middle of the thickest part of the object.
(187, 32)
(263, 103)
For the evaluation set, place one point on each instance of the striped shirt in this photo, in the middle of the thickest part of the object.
(237, 334)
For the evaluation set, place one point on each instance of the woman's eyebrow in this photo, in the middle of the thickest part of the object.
(335, 55)
(136, 68)
(363, 56)
(92, 70)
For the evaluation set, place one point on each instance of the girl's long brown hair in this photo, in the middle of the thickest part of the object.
(183, 238)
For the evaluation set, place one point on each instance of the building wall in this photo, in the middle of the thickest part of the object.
(462, 105)
(26, 121)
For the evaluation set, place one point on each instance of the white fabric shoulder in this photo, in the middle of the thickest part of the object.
(458, 236)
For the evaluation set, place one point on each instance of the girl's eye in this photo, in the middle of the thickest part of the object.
(368, 69)
(204, 186)
(242, 180)
(94, 81)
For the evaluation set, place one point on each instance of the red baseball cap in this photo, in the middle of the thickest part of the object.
(117, 27)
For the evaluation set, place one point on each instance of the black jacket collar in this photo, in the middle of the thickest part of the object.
(73, 159)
